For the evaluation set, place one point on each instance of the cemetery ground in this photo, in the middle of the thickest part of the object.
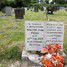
(12, 35)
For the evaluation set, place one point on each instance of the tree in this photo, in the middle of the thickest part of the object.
(16, 3)
(22, 3)
(1, 1)
(60, 1)
(47, 1)
(26, 2)
(2, 4)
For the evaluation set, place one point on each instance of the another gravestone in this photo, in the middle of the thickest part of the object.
(42, 8)
(35, 9)
(19, 13)
(50, 10)
(8, 11)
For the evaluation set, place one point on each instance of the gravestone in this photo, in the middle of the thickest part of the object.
(34, 36)
(35, 9)
(8, 11)
(54, 33)
(42, 9)
(19, 13)
(50, 10)
(39, 34)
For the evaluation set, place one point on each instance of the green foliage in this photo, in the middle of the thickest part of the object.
(23, 3)
(14, 3)
(60, 1)
(39, 5)
(8, 2)
(47, 1)
(65, 5)
(11, 53)
(53, 7)
(33, 2)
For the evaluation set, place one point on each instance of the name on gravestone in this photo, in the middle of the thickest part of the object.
(39, 34)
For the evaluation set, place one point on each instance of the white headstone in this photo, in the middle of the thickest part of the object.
(54, 33)
(8, 11)
(39, 34)
(34, 35)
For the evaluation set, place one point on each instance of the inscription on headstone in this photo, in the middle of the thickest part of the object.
(54, 33)
(34, 39)
(39, 34)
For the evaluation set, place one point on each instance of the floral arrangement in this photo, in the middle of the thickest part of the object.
(52, 56)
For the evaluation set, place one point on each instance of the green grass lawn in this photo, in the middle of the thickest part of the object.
(12, 30)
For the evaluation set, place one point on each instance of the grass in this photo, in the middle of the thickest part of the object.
(60, 15)
(12, 30)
